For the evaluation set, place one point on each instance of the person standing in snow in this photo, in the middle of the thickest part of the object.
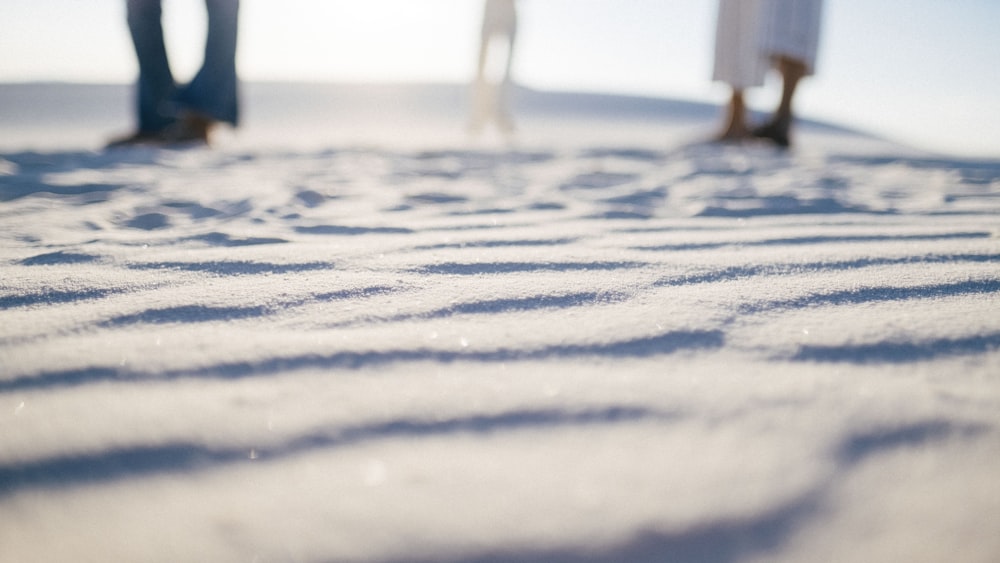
(753, 36)
(490, 104)
(168, 113)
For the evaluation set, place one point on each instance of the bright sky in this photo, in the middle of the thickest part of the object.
(921, 71)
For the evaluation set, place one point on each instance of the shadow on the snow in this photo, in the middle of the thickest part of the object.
(498, 244)
(900, 352)
(817, 240)
(862, 446)
(482, 268)
(34, 171)
(54, 297)
(341, 230)
(501, 306)
(60, 258)
(721, 541)
(234, 268)
(139, 461)
(641, 347)
(972, 171)
(812, 268)
(866, 295)
(767, 206)
(188, 314)
(732, 539)
(192, 314)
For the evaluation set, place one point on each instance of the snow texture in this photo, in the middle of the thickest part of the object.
(572, 349)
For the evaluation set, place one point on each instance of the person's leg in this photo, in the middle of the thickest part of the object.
(792, 72)
(481, 93)
(736, 121)
(509, 63)
(156, 83)
(490, 92)
(212, 95)
(738, 63)
(505, 120)
(778, 129)
(484, 50)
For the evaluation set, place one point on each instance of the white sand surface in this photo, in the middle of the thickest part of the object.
(603, 341)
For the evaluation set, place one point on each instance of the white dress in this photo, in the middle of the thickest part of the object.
(750, 34)
(499, 18)
(791, 29)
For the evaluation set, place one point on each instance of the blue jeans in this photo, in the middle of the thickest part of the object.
(212, 92)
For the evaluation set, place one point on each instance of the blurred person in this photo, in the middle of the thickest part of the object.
(753, 36)
(169, 113)
(499, 30)
(738, 61)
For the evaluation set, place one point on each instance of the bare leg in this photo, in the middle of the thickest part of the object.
(490, 96)
(778, 129)
(490, 102)
(484, 46)
(736, 122)
(792, 72)
(481, 93)
(503, 117)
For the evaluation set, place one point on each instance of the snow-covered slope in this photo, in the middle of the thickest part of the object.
(603, 342)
